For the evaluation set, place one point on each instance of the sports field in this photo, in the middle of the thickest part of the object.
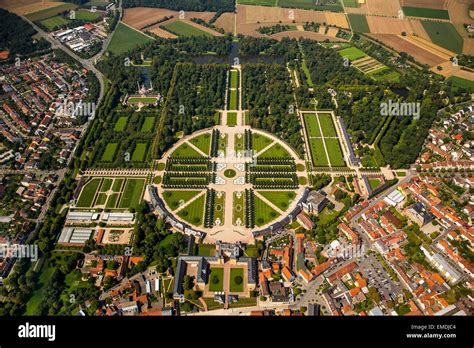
(444, 34)
(263, 212)
(194, 211)
(425, 12)
(109, 152)
(358, 23)
(231, 119)
(86, 15)
(177, 198)
(281, 199)
(120, 124)
(125, 39)
(181, 28)
(54, 22)
(202, 142)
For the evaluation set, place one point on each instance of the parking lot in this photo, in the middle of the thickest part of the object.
(377, 277)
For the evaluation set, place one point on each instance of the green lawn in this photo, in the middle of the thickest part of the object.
(234, 79)
(219, 207)
(202, 142)
(121, 124)
(46, 272)
(53, 22)
(101, 199)
(334, 151)
(206, 250)
(425, 12)
(125, 39)
(132, 193)
(193, 213)
(106, 184)
(352, 53)
(281, 199)
(444, 34)
(86, 198)
(109, 152)
(148, 124)
(263, 212)
(460, 82)
(238, 206)
(233, 97)
(312, 126)
(358, 23)
(327, 125)
(181, 28)
(117, 186)
(374, 183)
(232, 119)
(216, 279)
(175, 198)
(259, 142)
(50, 12)
(317, 152)
(139, 152)
(239, 143)
(235, 285)
(275, 151)
(185, 151)
(112, 201)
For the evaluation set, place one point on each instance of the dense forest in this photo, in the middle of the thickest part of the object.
(267, 94)
(16, 35)
(184, 5)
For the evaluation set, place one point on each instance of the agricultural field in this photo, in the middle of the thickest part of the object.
(194, 211)
(425, 12)
(460, 82)
(359, 23)
(281, 199)
(50, 12)
(258, 2)
(114, 193)
(444, 34)
(351, 3)
(182, 28)
(126, 38)
(177, 198)
(322, 5)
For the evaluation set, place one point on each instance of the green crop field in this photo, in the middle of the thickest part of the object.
(236, 285)
(312, 126)
(352, 53)
(327, 125)
(139, 152)
(53, 22)
(231, 119)
(148, 124)
(121, 124)
(351, 3)
(280, 199)
(50, 12)
(181, 28)
(322, 5)
(233, 97)
(125, 39)
(384, 74)
(234, 79)
(185, 151)
(275, 151)
(176, 198)
(109, 152)
(193, 213)
(263, 212)
(258, 2)
(460, 82)
(132, 193)
(317, 152)
(238, 205)
(425, 12)
(358, 23)
(444, 34)
(87, 15)
(216, 279)
(259, 142)
(334, 151)
(202, 142)
(86, 198)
